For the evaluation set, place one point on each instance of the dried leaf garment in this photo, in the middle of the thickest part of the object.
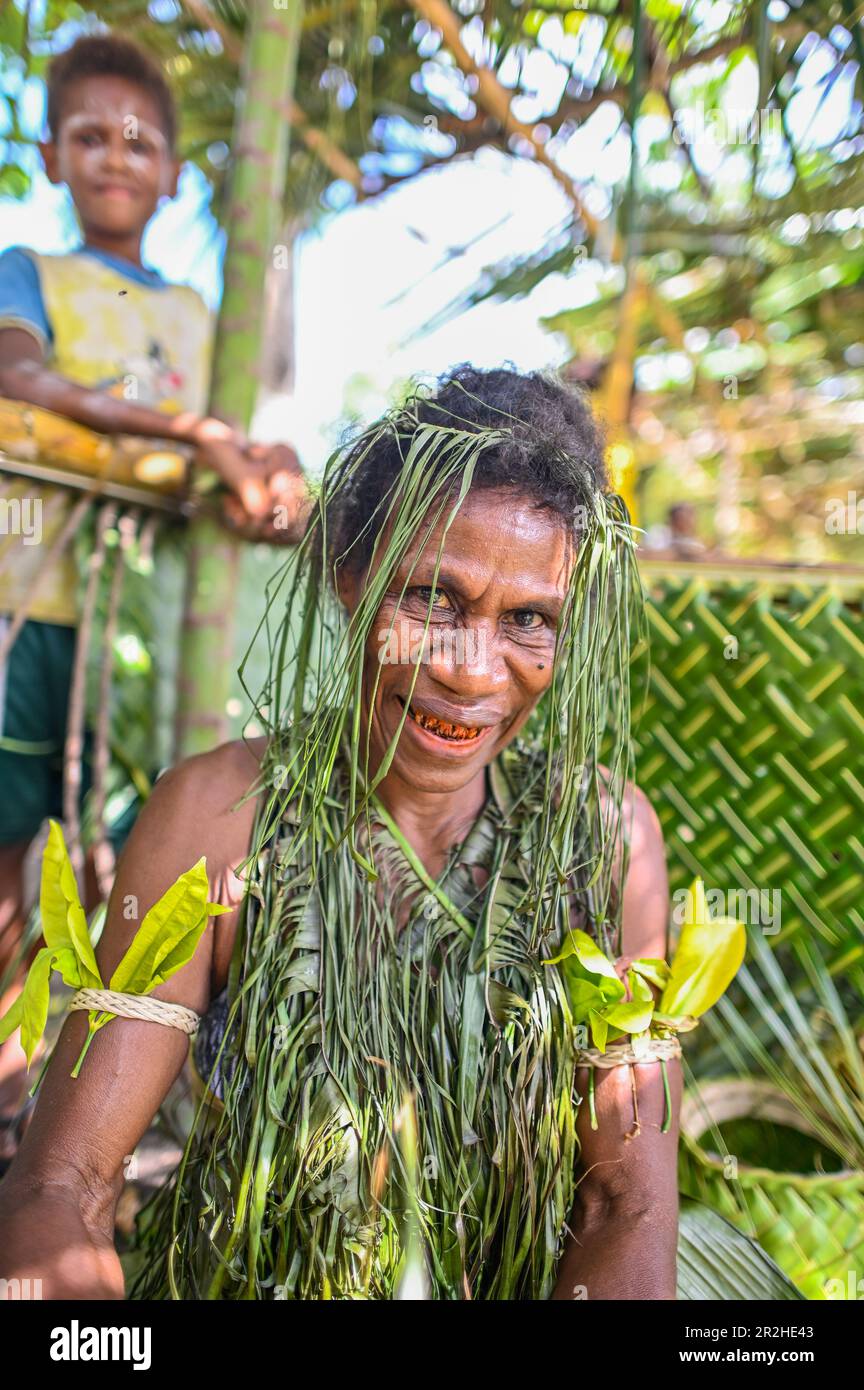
(311, 1181)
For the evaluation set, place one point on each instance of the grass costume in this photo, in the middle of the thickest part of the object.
(399, 1105)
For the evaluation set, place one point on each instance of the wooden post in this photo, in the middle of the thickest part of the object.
(260, 154)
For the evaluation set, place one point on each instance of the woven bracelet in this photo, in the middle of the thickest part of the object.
(141, 1006)
(652, 1050)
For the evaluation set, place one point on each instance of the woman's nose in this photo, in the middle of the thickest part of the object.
(466, 660)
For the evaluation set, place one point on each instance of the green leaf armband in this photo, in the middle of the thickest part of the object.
(709, 954)
(164, 943)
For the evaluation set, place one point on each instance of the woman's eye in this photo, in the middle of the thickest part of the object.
(440, 599)
(528, 619)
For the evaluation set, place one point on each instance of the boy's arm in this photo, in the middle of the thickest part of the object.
(24, 377)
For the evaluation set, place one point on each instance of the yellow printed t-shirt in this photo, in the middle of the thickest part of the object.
(108, 324)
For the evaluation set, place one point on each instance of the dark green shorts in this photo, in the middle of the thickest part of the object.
(34, 702)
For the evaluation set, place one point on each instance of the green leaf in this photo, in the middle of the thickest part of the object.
(185, 949)
(34, 999)
(81, 943)
(709, 954)
(583, 997)
(168, 935)
(639, 988)
(715, 1261)
(64, 922)
(612, 990)
(53, 902)
(599, 1030)
(588, 954)
(592, 959)
(66, 962)
(30, 1009)
(656, 972)
(11, 1019)
(630, 1018)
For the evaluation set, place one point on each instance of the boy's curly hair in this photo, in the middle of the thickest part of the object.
(108, 55)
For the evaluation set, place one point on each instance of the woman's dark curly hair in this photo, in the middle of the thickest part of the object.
(555, 455)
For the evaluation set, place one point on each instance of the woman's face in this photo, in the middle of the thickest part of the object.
(487, 657)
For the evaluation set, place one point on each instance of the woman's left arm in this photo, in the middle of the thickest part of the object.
(623, 1231)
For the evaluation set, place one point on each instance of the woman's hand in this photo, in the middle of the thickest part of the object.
(57, 1243)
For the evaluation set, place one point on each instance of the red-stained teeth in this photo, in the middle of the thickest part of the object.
(440, 727)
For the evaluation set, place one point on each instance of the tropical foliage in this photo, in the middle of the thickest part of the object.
(163, 944)
(708, 265)
(746, 746)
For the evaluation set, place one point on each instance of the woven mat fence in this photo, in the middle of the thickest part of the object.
(751, 738)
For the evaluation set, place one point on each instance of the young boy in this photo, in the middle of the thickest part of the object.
(75, 331)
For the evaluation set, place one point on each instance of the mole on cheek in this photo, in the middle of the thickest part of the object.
(540, 666)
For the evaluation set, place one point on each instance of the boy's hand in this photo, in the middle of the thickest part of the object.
(267, 498)
(280, 498)
(221, 448)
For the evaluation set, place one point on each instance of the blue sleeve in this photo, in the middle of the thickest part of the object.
(21, 299)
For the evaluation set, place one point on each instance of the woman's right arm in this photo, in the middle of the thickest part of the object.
(58, 1199)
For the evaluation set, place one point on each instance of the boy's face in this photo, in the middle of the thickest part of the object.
(113, 154)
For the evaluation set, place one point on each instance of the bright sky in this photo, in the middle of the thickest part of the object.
(370, 276)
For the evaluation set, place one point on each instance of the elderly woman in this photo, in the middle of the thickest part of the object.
(392, 1086)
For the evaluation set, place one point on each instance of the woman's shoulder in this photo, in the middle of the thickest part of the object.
(645, 915)
(218, 779)
(519, 774)
(200, 809)
(204, 805)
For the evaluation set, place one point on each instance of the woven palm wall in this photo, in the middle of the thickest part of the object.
(751, 738)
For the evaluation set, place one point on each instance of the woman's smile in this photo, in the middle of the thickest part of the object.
(442, 730)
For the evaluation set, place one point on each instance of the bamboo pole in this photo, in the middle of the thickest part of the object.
(320, 144)
(102, 850)
(260, 152)
(73, 752)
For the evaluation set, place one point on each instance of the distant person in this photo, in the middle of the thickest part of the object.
(97, 337)
(679, 536)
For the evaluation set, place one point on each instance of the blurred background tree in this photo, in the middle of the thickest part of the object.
(729, 180)
(703, 277)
